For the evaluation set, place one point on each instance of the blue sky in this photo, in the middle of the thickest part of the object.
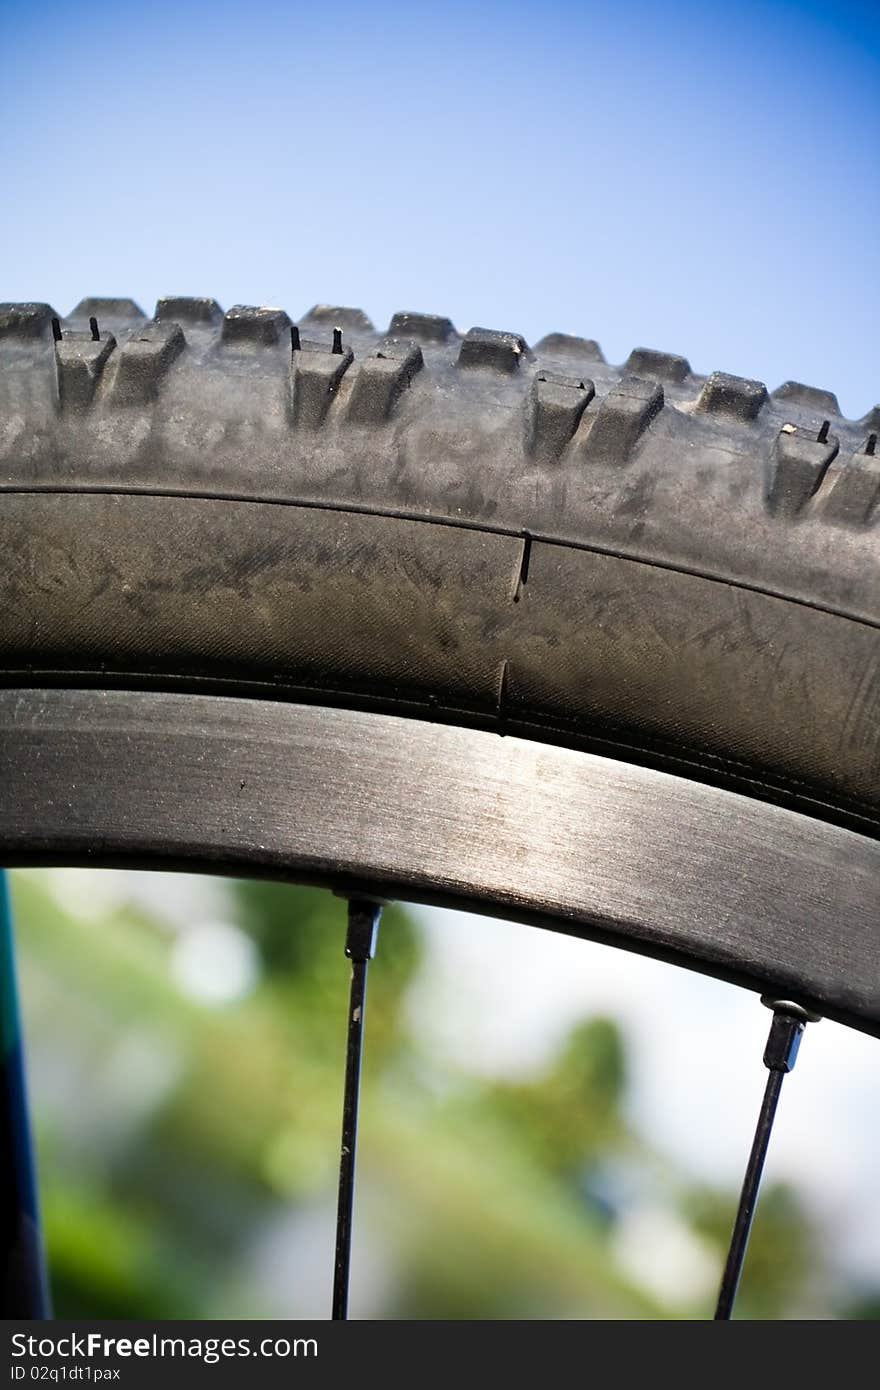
(701, 178)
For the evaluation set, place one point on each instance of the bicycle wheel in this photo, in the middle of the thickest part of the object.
(450, 619)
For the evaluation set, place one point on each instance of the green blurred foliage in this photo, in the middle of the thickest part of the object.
(110, 1258)
(188, 1151)
(572, 1113)
(783, 1248)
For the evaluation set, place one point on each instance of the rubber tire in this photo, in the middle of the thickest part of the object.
(680, 571)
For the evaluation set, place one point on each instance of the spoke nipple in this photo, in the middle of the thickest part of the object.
(56, 330)
(337, 340)
(93, 325)
(363, 922)
(822, 436)
(781, 1051)
(294, 338)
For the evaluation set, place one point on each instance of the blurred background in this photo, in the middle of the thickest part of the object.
(550, 1129)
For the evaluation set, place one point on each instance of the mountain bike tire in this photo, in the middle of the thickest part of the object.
(448, 616)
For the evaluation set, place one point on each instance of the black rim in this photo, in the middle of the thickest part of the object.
(389, 807)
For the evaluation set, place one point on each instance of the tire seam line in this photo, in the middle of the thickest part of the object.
(591, 547)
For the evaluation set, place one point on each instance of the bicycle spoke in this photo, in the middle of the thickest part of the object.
(360, 946)
(780, 1054)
